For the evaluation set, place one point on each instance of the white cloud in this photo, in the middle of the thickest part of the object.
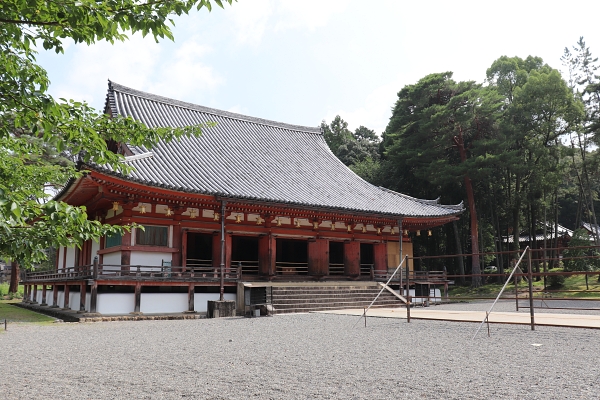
(130, 63)
(253, 20)
(307, 14)
(250, 20)
(187, 75)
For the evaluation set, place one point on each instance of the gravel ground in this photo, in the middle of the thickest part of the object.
(298, 356)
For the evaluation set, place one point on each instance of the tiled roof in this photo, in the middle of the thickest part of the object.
(250, 158)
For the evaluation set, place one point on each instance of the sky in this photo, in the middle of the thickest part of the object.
(304, 61)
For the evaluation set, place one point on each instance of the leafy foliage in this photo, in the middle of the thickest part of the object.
(33, 125)
(581, 259)
(350, 147)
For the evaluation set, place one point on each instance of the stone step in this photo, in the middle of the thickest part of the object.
(310, 309)
(291, 299)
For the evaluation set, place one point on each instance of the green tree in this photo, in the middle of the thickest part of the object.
(443, 131)
(349, 147)
(32, 122)
(576, 259)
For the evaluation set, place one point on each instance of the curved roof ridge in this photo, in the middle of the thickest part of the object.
(435, 202)
(113, 86)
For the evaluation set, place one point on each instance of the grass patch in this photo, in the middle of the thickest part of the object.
(573, 287)
(4, 290)
(21, 315)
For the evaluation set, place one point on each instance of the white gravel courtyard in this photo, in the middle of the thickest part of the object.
(298, 356)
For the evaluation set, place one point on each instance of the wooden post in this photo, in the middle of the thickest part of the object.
(530, 278)
(66, 305)
(94, 297)
(82, 295)
(177, 236)
(407, 295)
(352, 258)
(126, 238)
(266, 255)
(44, 295)
(516, 292)
(318, 257)
(380, 258)
(138, 297)
(222, 263)
(35, 289)
(55, 295)
(191, 290)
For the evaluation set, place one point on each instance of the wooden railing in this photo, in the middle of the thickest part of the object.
(365, 269)
(134, 272)
(291, 268)
(336, 269)
(249, 267)
(70, 273)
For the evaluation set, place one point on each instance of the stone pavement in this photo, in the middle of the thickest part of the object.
(541, 319)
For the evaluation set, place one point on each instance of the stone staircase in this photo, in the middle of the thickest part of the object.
(296, 299)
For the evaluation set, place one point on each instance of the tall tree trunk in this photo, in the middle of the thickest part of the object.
(536, 254)
(14, 277)
(459, 259)
(517, 214)
(499, 258)
(476, 271)
(545, 254)
(556, 254)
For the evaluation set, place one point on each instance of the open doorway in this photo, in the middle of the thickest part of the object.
(244, 251)
(292, 257)
(199, 251)
(336, 258)
(367, 258)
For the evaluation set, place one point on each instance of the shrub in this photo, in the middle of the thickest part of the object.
(555, 281)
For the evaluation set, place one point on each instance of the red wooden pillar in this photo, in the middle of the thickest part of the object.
(267, 255)
(176, 257)
(55, 295)
(64, 261)
(380, 258)
(44, 295)
(126, 239)
(352, 258)
(66, 304)
(318, 257)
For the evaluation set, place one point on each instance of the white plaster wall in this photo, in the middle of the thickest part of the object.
(112, 259)
(61, 299)
(70, 257)
(74, 301)
(61, 255)
(151, 303)
(200, 299)
(149, 258)
(95, 248)
(116, 303)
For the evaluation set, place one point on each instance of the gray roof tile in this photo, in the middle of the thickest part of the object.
(251, 158)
